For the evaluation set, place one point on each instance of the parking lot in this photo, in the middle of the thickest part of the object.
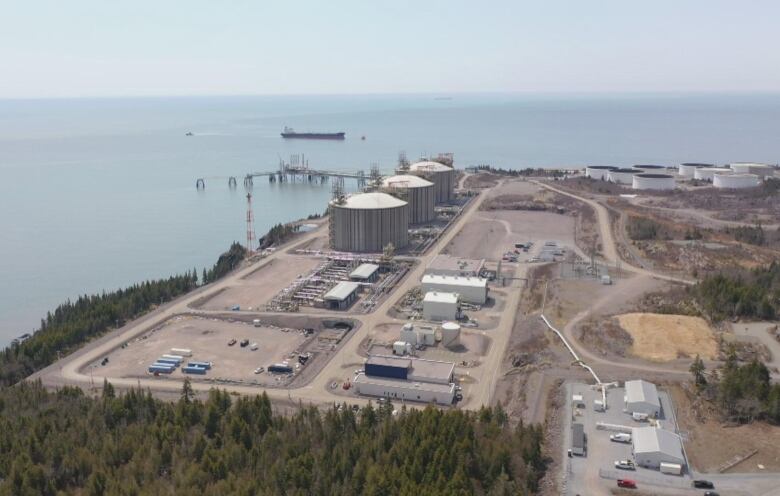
(595, 472)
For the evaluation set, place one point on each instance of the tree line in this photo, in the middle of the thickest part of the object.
(741, 294)
(133, 444)
(742, 392)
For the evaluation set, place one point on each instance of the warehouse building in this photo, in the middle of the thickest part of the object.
(447, 265)
(410, 379)
(471, 289)
(366, 272)
(440, 306)
(652, 446)
(342, 295)
(642, 397)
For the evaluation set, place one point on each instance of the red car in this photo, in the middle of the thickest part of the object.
(628, 483)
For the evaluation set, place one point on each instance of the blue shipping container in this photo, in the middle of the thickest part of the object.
(388, 371)
(205, 365)
(280, 369)
(169, 361)
(162, 369)
(194, 370)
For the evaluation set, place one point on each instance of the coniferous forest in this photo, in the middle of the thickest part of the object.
(133, 444)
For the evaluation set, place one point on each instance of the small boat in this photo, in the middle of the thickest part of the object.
(189, 133)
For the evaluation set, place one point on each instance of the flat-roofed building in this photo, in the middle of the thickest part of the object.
(440, 306)
(405, 378)
(398, 389)
(447, 265)
(366, 272)
(342, 295)
(471, 289)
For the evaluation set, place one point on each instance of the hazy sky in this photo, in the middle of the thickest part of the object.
(52, 48)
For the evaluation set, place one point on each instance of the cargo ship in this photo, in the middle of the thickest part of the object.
(291, 134)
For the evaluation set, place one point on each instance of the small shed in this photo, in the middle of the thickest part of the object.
(577, 439)
(342, 295)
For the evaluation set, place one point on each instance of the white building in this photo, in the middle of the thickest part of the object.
(408, 379)
(642, 397)
(652, 446)
(366, 272)
(440, 306)
(408, 334)
(471, 289)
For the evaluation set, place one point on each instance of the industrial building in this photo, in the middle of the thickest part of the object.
(653, 181)
(621, 176)
(366, 272)
(707, 173)
(735, 181)
(342, 295)
(688, 169)
(760, 170)
(471, 289)
(577, 439)
(403, 378)
(442, 177)
(652, 446)
(649, 168)
(599, 172)
(447, 265)
(450, 334)
(642, 397)
(440, 306)
(422, 335)
(367, 222)
(418, 192)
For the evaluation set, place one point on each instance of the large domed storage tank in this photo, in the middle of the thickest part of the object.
(442, 177)
(367, 222)
(650, 168)
(599, 172)
(622, 176)
(688, 169)
(735, 181)
(653, 181)
(706, 173)
(418, 192)
(761, 170)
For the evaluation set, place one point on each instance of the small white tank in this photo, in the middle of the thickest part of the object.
(450, 334)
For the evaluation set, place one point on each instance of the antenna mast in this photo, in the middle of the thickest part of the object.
(250, 225)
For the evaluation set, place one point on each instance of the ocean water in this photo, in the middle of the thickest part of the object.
(99, 193)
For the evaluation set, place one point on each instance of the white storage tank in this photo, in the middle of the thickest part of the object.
(440, 175)
(706, 173)
(650, 168)
(622, 176)
(760, 170)
(450, 334)
(599, 172)
(408, 334)
(688, 169)
(415, 190)
(653, 181)
(367, 222)
(735, 181)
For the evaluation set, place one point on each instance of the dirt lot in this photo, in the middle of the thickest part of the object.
(661, 338)
(710, 445)
(208, 340)
(260, 286)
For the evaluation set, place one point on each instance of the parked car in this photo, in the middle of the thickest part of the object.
(236, 308)
(244, 343)
(254, 347)
(703, 484)
(231, 342)
(259, 370)
(627, 483)
(711, 493)
(625, 465)
(620, 437)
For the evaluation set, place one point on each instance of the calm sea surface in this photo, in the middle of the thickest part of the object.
(98, 194)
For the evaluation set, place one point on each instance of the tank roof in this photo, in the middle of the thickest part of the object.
(649, 166)
(601, 167)
(627, 171)
(695, 164)
(751, 164)
(370, 201)
(429, 166)
(405, 181)
(655, 176)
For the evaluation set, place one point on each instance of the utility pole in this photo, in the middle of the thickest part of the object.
(250, 225)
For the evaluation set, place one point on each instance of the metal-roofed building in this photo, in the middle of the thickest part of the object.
(471, 289)
(398, 389)
(406, 378)
(642, 397)
(366, 272)
(653, 446)
(577, 439)
(447, 265)
(440, 306)
(342, 295)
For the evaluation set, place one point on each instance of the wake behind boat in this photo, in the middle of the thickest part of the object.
(289, 133)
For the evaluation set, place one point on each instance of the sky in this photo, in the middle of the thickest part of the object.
(99, 48)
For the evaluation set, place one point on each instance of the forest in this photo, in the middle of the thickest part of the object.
(133, 444)
(75, 322)
(741, 294)
(225, 263)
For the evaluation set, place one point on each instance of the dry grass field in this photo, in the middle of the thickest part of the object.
(662, 338)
